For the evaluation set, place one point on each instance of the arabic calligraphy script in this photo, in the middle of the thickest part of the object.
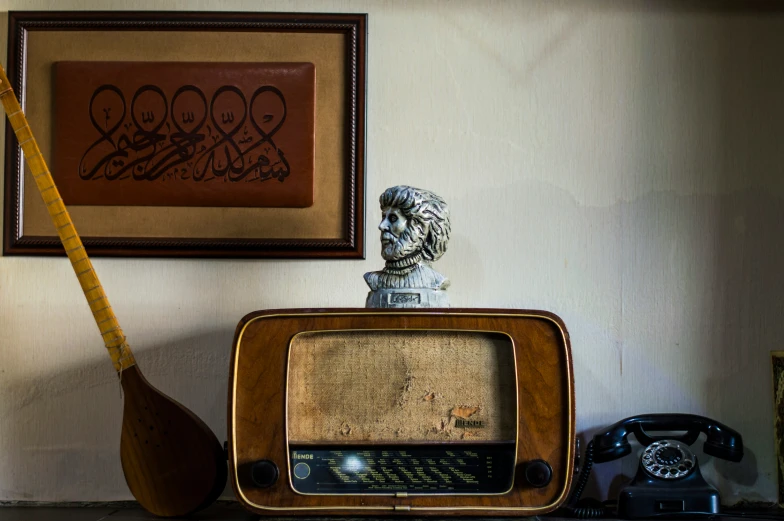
(185, 136)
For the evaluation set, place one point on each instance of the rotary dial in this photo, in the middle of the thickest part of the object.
(668, 459)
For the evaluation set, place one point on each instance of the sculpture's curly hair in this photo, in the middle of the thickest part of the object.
(424, 210)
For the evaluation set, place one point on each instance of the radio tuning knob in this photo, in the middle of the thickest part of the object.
(538, 473)
(264, 473)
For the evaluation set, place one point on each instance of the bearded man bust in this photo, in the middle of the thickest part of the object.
(414, 233)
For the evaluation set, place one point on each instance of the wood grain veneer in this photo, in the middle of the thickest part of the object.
(258, 400)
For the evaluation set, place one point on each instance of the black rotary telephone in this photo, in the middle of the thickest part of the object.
(668, 480)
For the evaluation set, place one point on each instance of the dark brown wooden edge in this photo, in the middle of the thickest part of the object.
(433, 311)
(355, 28)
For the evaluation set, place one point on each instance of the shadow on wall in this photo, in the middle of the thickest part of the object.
(49, 422)
(702, 240)
(740, 310)
(723, 294)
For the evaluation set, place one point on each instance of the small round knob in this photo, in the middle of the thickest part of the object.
(538, 473)
(264, 473)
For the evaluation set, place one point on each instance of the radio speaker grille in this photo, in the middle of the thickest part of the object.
(401, 387)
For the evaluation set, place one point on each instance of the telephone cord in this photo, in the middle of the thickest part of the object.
(584, 512)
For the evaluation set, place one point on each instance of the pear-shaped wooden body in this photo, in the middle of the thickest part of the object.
(173, 463)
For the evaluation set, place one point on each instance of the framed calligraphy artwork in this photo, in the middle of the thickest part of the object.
(147, 138)
(191, 134)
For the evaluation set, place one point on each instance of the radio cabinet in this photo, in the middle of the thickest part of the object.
(362, 411)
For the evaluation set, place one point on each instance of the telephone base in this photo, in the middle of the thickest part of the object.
(641, 503)
(646, 497)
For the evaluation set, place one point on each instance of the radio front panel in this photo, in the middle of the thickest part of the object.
(413, 470)
(422, 411)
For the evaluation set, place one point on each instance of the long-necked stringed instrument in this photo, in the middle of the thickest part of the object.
(172, 461)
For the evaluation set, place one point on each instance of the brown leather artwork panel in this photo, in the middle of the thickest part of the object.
(184, 133)
(262, 390)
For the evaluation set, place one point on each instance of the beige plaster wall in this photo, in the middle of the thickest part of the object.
(617, 163)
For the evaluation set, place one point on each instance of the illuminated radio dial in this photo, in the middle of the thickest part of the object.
(301, 470)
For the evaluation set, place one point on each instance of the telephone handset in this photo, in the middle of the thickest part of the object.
(668, 479)
(722, 442)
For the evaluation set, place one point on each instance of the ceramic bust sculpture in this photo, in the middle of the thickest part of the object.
(414, 233)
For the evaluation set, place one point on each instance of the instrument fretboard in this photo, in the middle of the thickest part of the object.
(112, 334)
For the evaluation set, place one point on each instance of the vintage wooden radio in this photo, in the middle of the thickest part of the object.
(363, 411)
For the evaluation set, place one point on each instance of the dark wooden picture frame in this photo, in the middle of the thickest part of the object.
(352, 28)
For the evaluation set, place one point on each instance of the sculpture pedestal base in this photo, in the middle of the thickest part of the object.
(407, 298)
